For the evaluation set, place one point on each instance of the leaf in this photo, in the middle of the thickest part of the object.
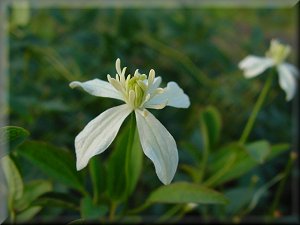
(90, 211)
(120, 187)
(239, 198)
(53, 161)
(32, 191)
(192, 171)
(28, 214)
(210, 123)
(12, 137)
(259, 150)
(54, 199)
(242, 164)
(97, 172)
(183, 192)
(13, 178)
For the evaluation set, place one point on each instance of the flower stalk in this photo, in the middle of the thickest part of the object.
(255, 111)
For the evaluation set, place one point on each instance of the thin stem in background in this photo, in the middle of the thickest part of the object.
(287, 171)
(256, 110)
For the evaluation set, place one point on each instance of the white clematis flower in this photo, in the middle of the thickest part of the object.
(138, 92)
(275, 56)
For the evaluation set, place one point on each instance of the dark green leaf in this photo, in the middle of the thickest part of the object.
(53, 161)
(259, 150)
(241, 164)
(239, 198)
(183, 192)
(210, 121)
(90, 211)
(12, 137)
(119, 187)
(97, 172)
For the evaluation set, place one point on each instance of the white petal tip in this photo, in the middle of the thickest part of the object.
(74, 84)
(79, 166)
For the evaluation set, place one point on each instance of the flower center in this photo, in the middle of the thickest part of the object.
(136, 89)
(278, 52)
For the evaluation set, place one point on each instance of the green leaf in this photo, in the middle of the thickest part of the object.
(122, 180)
(54, 199)
(259, 150)
(13, 178)
(32, 191)
(183, 192)
(97, 172)
(90, 211)
(53, 161)
(239, 198)
(192, 171)
(12, 137)
(28, 214)
(241, 164)
(210, 123)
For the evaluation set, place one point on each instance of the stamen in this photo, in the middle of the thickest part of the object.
(118, 66)
(122, 76)
(142, 85)
(136, 73)
(151, 77)
(131, 97)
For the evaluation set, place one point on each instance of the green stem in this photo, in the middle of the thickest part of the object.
(256, 109)
(287, 171)
(112, 211)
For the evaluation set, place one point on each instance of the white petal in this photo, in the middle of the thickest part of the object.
(292, 69)
(154, 85)
(99, 133)
(158, 145)
(173, 95)
(253, 65)
(98, 88)
(287, 81)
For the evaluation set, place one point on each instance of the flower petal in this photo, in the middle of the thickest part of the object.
(99, 133)
(158, 145)
(98, 88)
(173, 95)
(253, 65)
(287, 80)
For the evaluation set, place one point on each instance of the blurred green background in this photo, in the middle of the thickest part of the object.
(199, 48)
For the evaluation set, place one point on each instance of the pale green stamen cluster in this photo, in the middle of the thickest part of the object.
(137, 89)
(278, 52)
